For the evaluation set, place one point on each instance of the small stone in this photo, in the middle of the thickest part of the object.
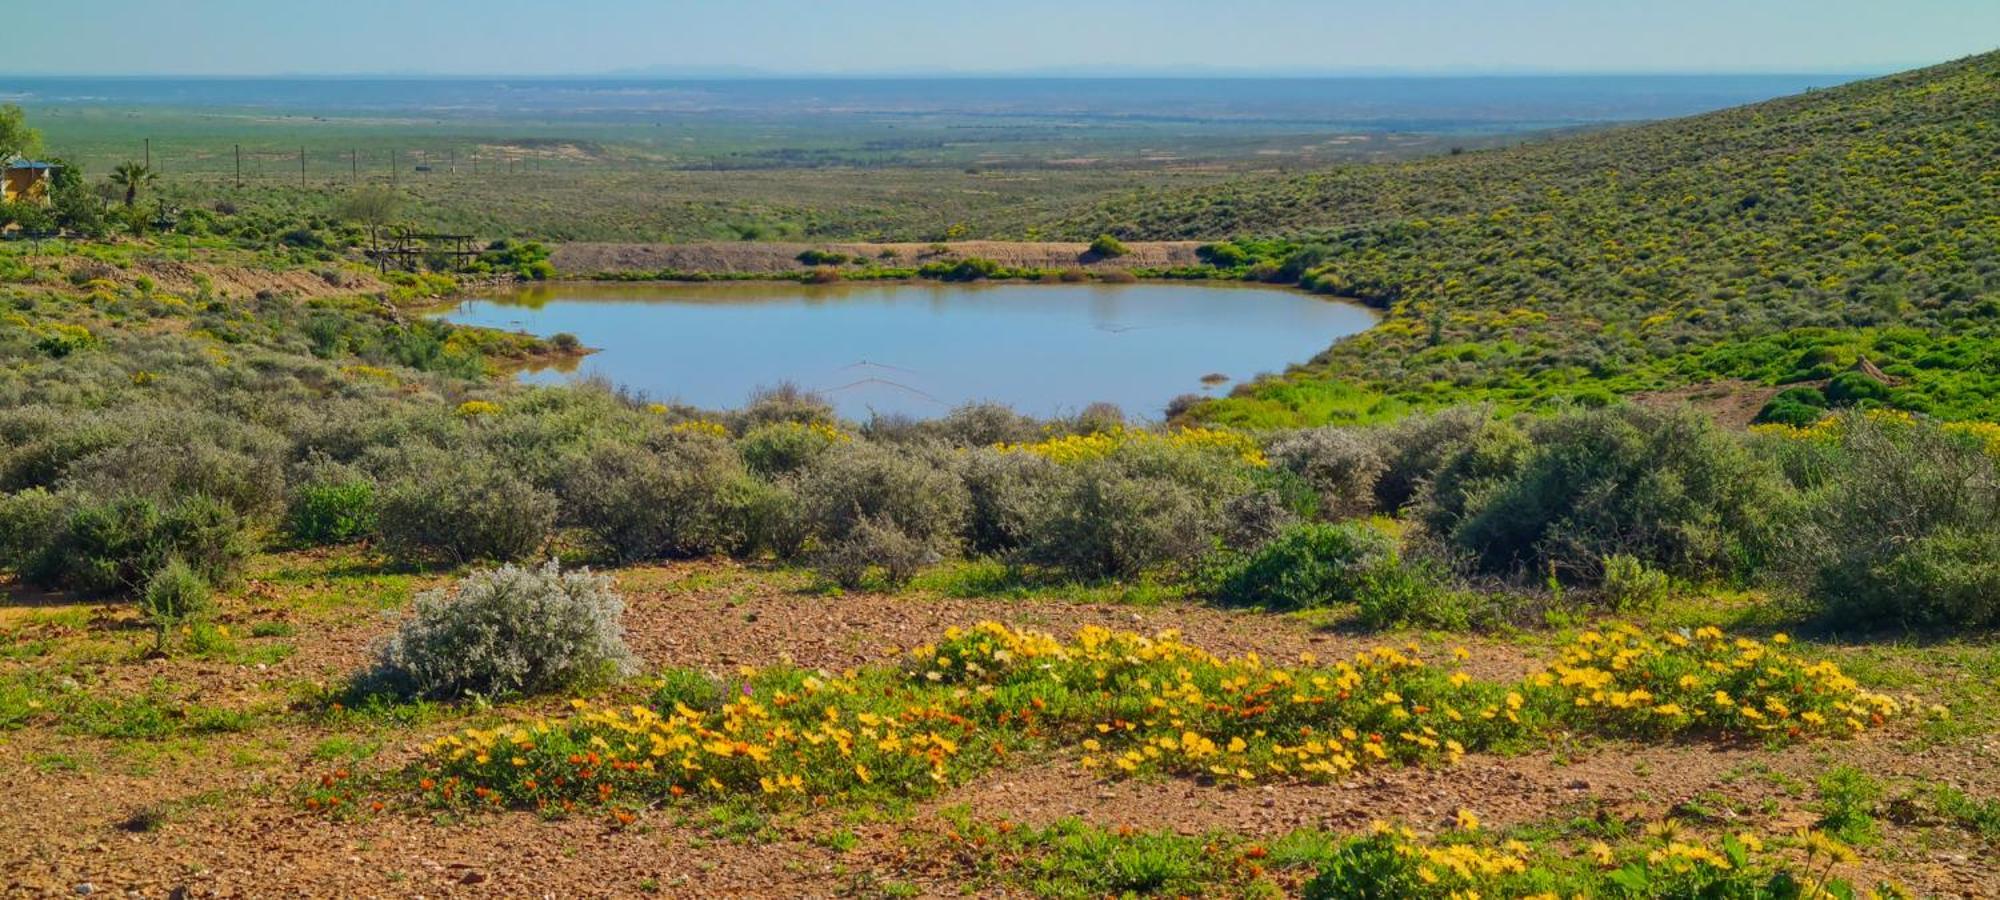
(473, 878)
(86, 888)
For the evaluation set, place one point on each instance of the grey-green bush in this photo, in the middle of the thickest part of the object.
(1415, 448)
(1668, 488)
(782, 448)
(999, 490)
(1096, 519)
(505, 631)
(873, 545)
(667, 500)
(1904, 529)
(894, 487)
(469, 508)
(1341, 464)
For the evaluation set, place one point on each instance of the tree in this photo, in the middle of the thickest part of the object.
(16, 138)
(133, 177)
(371, 206)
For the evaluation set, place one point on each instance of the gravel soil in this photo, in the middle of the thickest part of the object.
(219, 815)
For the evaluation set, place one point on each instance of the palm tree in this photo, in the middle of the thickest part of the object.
(132, 177)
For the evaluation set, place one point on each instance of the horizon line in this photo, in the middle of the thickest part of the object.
(1153, 73)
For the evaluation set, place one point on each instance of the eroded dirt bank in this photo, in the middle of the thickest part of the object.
(757, 257)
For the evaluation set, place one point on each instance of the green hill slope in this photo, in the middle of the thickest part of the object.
(1777, 243)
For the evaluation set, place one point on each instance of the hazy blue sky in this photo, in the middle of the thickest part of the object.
(239, 37)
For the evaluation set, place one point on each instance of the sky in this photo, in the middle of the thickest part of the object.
(855, 37)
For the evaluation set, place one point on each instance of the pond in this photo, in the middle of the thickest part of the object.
(922, 349)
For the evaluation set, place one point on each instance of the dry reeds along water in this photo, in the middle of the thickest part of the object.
(922, 349)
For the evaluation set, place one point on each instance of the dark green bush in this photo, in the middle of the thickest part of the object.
(99, 546)
(332, 511)
(1105, 246)
(1855, 389)
(1309, 565)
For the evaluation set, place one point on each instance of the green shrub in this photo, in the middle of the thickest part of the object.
(1371, 868)
(782, 448)
(1847, 798)
(1786, 412)
(1415, 448)
(999, 489)
(332, 511)
(174, 596)
(99, 546)
(1904, 528)
(1105, 246)
(473, 509)
(1412, 595)
(1670, 489)
(1307, 566)
(1631, 585)
(506, 631)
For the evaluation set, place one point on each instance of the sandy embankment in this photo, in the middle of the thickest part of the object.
(583, 259)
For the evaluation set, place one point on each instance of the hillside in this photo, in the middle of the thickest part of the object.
(1645, 258)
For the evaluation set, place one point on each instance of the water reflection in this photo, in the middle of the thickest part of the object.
(921, 349)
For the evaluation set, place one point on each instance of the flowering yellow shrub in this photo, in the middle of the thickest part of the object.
(1133, 705)
(360, 372)
(1987, 434)
(475, 408)
(1098, 445)
(1623, 679)
(1396, 862)
(698, 426)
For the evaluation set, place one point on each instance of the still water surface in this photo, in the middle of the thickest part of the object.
(922, 349)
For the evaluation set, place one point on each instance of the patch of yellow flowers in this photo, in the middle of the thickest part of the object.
(1623, 679)
(1135, 705)
(1102, 444)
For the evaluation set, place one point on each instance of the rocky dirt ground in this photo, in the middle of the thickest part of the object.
(220, 815)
